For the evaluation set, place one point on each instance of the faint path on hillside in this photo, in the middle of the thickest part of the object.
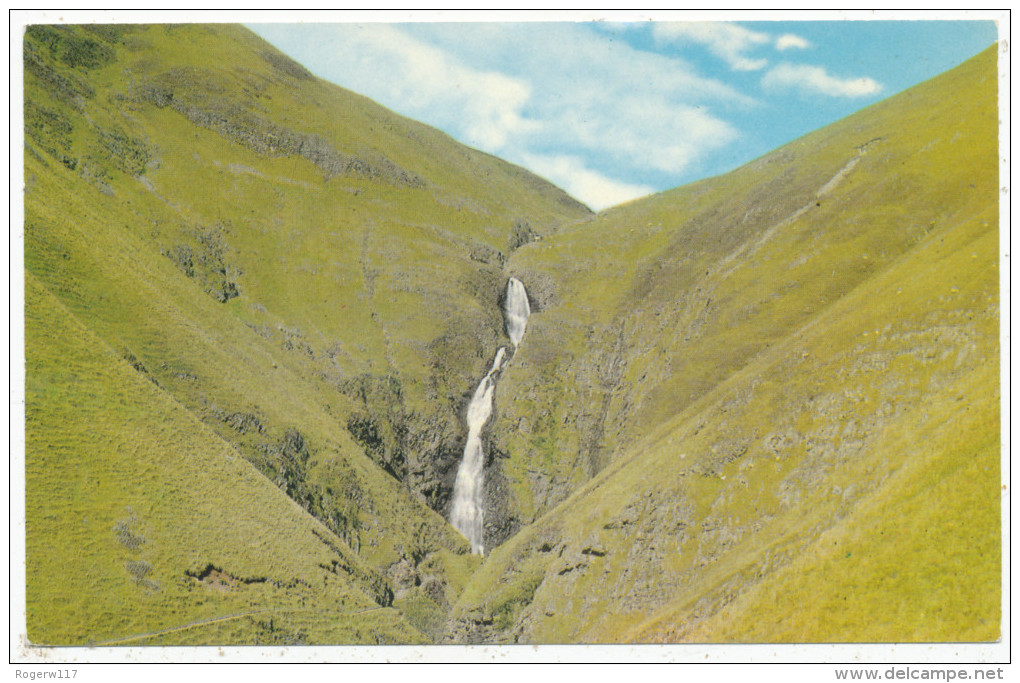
(216, 620)
(751, 248)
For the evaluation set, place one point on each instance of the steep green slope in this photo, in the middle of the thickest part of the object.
(908, 564)
(653, 303)
(311, 276)
(141, 521)
(762, 371)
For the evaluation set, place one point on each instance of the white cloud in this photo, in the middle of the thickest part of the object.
(385, 63)
(618, 106)
(647, 131)
(729, 42)
(565, 52)
(789, 41)
(539, 92)
(591, 187)
(815, 79)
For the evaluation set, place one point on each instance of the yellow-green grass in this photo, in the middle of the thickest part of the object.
(728, 486)
(360, 268)
(345, 283)
(727, 376)
(655, 302)
(130, 499)
(869, 406)
(207, 357)
(919, 561)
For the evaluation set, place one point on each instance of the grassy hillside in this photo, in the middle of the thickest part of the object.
(780, 386)
(310, 276)
(762, 407)
(140, 520)
(653, 303)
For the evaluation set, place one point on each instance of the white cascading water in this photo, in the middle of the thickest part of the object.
(468, 506)
(466, 515)
(516, 310)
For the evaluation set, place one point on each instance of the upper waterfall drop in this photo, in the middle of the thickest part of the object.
(516, 310)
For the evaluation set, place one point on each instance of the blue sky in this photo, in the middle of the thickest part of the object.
(610, 111)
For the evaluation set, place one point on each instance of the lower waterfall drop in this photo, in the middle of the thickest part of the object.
(466, 513)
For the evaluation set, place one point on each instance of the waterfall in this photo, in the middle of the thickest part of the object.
(466, 515)
(516, 310)
(468, 504)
